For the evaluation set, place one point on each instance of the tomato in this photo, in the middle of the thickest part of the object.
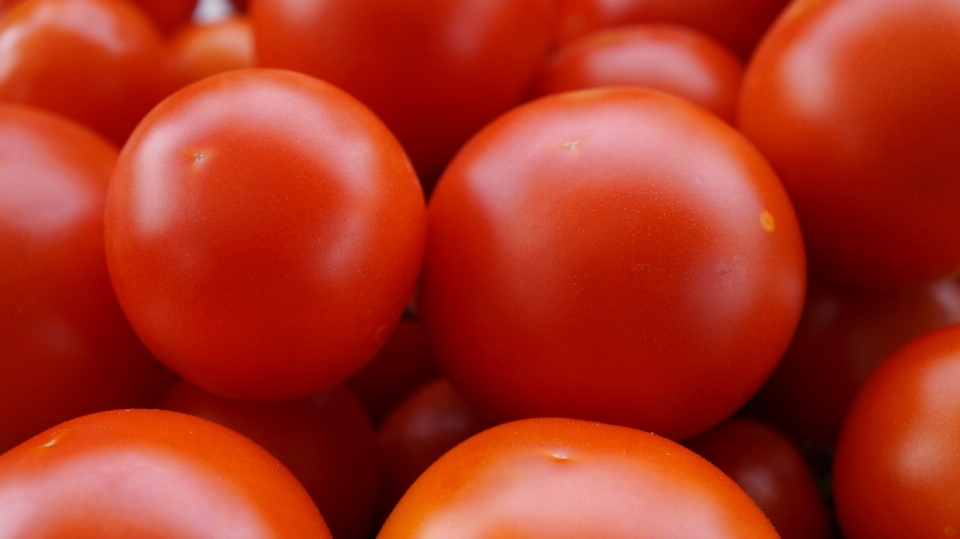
(768, 467)
(207, 49)
(897, 469)
(99, 62)
(150, 474)
(264, 231)
(563, 478)
(738, 24)
(168, 14)
(662, 57)
(843, 335)
(65, 347)
(435, 71)
(326, 441)
(419, 431)
(616, 255)
(854, 103)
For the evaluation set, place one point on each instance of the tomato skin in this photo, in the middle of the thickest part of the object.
(254, 289)
(168, 15)
(435, 71)
(854, 103)
(99, 62)
(126, 473)
(896, 469)
(202, 50)
(771, 470)
(326, 441)
(580, 264)
(564, 478)
(65, 347)
(671, 59)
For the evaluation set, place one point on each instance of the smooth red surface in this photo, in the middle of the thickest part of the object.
(616, 255)
(435, 71)
(419, 431)
(668, 58)
(326, 441)
(201, 50)
(149, 474)
(843, 335)
(567, 479)
(65, 347)
(739, 24)
(168, 15)
(771, 470)
(264, 231)
(99, 62)
(897, 465)
(854, 104)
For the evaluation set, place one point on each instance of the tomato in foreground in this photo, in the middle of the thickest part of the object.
(566, 479)
(616, 255)
(264, 231)
(149, 474)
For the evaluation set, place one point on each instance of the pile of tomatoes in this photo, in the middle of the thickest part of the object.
(480, 268)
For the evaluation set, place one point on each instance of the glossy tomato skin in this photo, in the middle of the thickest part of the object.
(202, 50)
(854, 103)
(99, 62)
(663, 57)
(263, 232)
(771, 470)
(326, 441)
(565, 478)
(435, 71)
(739, 24)
(151, 474)
(65, 347)
(615, 255)
(843, 335)
(896, 470)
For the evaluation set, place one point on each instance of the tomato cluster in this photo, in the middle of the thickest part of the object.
(479, 268)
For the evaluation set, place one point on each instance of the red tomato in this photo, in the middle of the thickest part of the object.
(897, 466)
(662, 57)
(263, 232)
(616, 255)
(435, 71)
(168, 14)
(202, 50)
(419, 431)
(855, 104)
(565, 479)
(768, 467)
(843, 335)
(65, 347)
(153, 475)
(326, 441)
(99, 62)
(738, 24)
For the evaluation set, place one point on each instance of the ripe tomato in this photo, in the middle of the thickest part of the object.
(897, 467)
(616, 255)
(207, 49)
(565, 479)
(150, 474)
(435, 71)
(264, 231)
(65, 347)
(855, 104)
(168, 15)
(99, 62)
(672, 59)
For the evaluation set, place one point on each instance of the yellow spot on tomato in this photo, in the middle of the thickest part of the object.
(767, 222)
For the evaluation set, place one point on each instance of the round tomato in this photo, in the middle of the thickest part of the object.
(201, 50)
(855, 104)
(264, 231)
(150, 474)
(618, 255)
(563, 478)
(897, 466)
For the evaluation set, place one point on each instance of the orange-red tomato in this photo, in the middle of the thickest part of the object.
(168, 15)
(99, 62)
(149, 474)
(65, 347)
(201, 50)
(566, 479)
